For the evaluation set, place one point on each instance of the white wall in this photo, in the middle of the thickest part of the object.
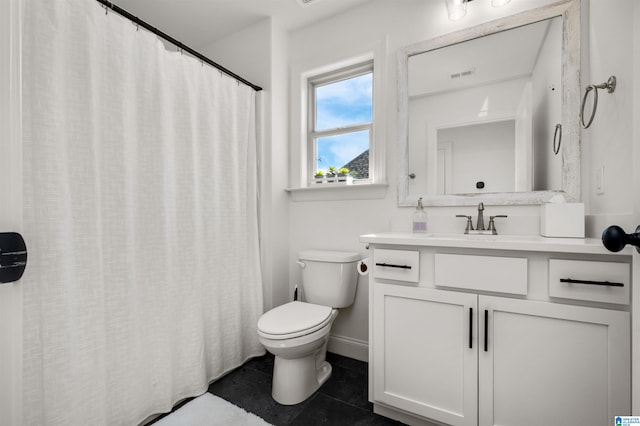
(337, 224)
(609, 141)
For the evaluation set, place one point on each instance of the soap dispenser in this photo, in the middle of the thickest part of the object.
(420, 219)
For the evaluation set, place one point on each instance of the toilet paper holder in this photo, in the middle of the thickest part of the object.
(13, 257)
(363, 266)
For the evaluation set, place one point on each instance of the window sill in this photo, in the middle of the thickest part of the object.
(329, 192)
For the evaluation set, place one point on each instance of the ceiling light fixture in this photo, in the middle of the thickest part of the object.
(456, 9)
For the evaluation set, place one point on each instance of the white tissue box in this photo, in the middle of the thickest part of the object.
(562, 220)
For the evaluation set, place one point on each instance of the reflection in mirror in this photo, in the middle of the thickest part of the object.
(476, 158)
(482, 106)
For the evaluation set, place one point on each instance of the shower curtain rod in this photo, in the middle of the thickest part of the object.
(175, 42)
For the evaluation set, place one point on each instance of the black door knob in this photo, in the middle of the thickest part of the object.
(614, 238)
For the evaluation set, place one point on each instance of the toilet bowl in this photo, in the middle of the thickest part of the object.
(299, 348)
(297, 332)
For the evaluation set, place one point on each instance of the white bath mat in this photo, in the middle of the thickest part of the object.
(209, 410)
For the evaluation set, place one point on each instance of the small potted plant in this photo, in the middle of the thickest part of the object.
(331, 174)
(344, 177)
(318, 177)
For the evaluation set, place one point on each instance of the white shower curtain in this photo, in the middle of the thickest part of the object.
(140, 184)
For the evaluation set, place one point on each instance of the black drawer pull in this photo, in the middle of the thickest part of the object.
(389, 265)
(486, 330)
(605, 283)
(470, 328)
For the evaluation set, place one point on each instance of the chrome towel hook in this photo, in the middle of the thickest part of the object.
(610, 85)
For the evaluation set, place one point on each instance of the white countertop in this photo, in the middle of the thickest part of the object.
(495, 242)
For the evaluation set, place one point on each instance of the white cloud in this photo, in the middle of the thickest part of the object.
(344, 102)
(353, 90)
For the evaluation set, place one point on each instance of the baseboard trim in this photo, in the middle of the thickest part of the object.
(349, 347)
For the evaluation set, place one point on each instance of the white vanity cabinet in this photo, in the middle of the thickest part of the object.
(447, 351)
(551, 364)
(424, 361)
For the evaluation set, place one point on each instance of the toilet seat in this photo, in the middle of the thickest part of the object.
(293, 319)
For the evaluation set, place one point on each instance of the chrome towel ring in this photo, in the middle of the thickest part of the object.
(610, 85)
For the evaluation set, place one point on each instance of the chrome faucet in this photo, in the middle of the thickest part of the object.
(492, 224)
(480, 229)
(469, 223)
(480, 224)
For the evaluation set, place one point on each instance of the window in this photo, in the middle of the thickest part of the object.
(340, 122)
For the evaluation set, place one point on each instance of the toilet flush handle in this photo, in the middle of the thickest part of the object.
(302, 264)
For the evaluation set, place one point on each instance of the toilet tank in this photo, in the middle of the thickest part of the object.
(329, 277)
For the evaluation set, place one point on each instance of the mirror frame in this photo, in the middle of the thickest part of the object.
(569, 10)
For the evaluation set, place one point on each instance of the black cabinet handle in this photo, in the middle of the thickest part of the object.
(486, 330)
(470, 328)
(389, 265)
(605, 283)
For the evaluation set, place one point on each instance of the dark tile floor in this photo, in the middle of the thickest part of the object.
(342, 400)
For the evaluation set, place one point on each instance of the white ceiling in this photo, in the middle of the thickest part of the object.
(197, 23)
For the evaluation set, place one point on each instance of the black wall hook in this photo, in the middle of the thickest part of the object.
(13, 256)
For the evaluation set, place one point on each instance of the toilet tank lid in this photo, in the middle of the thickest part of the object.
(329, 256)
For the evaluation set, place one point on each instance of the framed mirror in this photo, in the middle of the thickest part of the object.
(490, 113)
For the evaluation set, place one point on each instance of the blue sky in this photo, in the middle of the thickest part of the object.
(339, 150)
(339, 104)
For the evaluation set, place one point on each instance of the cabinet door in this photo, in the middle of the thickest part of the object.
(424, 352)
(552, 364)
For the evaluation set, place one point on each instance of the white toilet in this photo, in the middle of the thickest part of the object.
(297, 332)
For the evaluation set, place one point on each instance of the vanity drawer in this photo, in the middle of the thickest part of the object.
(400, 265)
(485, 273)
(607, 282)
